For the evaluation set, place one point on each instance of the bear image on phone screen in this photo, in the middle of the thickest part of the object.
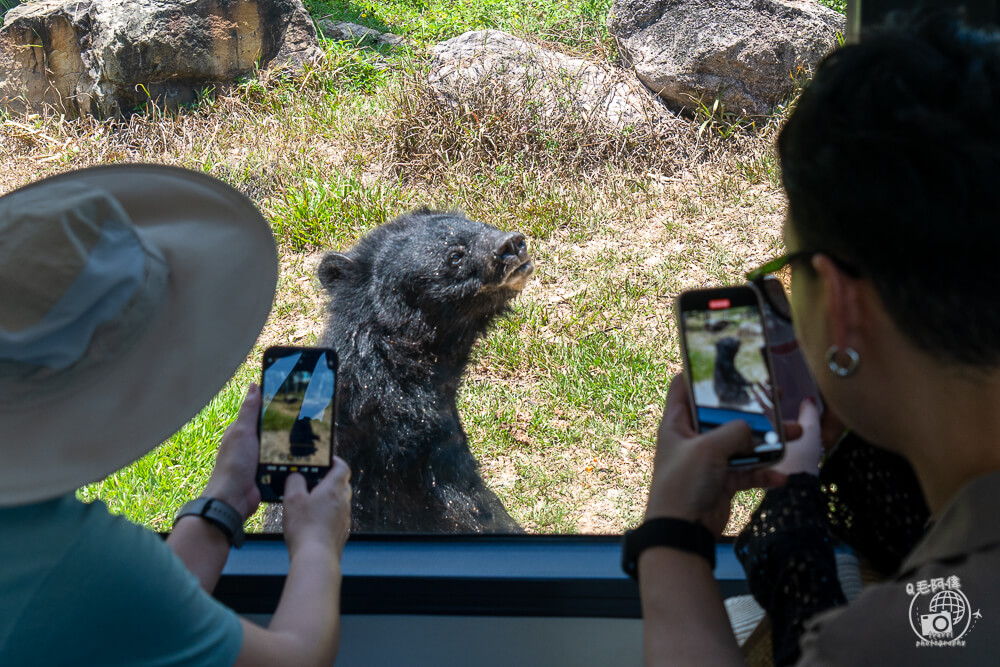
(297, 414)
(725, 348)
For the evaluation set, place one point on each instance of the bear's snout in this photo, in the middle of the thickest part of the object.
(511, 255)
(511, 248)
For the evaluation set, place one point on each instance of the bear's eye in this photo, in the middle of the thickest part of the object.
(455, 256)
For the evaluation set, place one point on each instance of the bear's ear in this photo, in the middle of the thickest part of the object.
(332, 267)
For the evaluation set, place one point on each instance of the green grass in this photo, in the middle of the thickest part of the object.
(7, 5)
(575, 22)
(151, 490)
(836, 5)
(332, 210)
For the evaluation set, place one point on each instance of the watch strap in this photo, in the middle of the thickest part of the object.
(221, 514)
(690, 536)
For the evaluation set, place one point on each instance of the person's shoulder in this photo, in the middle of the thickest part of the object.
(105, 532)
(52, 528)
(940, 607)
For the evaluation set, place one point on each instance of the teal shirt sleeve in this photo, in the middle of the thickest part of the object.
(117, 595)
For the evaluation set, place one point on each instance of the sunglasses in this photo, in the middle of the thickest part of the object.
(772, 289)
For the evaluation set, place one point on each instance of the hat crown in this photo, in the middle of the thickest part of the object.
(44, 244)
(70, 261)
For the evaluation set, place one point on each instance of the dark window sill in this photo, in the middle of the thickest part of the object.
(571, 576)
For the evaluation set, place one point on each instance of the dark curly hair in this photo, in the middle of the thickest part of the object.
(891, 161)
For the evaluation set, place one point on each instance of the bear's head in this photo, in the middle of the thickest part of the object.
(726, 348)
(429, 276)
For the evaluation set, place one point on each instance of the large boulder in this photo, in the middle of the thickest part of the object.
(553, 85)
(748, 53)
(105, 57)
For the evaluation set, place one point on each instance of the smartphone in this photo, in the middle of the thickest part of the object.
(298, 411)
(727, 364)
(792, 376)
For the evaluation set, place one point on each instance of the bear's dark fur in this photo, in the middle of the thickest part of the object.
(729, 384)
(301, 438)
(407, 304)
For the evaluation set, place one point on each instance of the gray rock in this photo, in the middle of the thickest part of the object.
(105, 57)
(746, 52)
(554, 84)
(344, 31)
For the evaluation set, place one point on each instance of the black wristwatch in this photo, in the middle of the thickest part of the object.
(681, 534)
(220, 514)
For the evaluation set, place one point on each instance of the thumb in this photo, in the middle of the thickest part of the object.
(295, 486)
(677, 411)
(337, 476)
(730, 438)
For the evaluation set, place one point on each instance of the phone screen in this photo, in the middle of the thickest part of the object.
(298, 390)
(725, 348)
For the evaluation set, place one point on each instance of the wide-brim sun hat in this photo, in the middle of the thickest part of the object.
(129, 296)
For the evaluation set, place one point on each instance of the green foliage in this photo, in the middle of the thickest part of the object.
(836, 5)
(717, 120)
(354, 69)
(702, 362)
(7, 5)
(427, 21)
(331, 210)
(274, 419)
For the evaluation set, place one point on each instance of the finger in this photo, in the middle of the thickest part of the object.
(809, 414)
(832, 428)
(295, 486)
(762, 394)
(793, 430)
(757, 478)
(677, 411)
(254, 499)
(337, 476)
(250, 410)
(728, 439)
(765, 478)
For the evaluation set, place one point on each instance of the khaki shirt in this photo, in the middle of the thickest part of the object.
(950, 583)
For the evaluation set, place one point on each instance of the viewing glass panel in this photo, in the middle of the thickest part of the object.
(559, 390)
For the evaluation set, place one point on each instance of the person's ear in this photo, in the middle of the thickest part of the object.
(844, 299)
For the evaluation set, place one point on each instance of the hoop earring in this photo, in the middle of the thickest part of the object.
(838, 369)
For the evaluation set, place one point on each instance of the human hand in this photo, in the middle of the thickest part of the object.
(803, 453)
(321, 516)
(831, 428)
(692, 478)
(233, 477)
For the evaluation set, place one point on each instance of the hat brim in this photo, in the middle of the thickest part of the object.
(223, 271)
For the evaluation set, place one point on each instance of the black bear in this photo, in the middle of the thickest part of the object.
(729, 384)
(407, 304)
(301, 438)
